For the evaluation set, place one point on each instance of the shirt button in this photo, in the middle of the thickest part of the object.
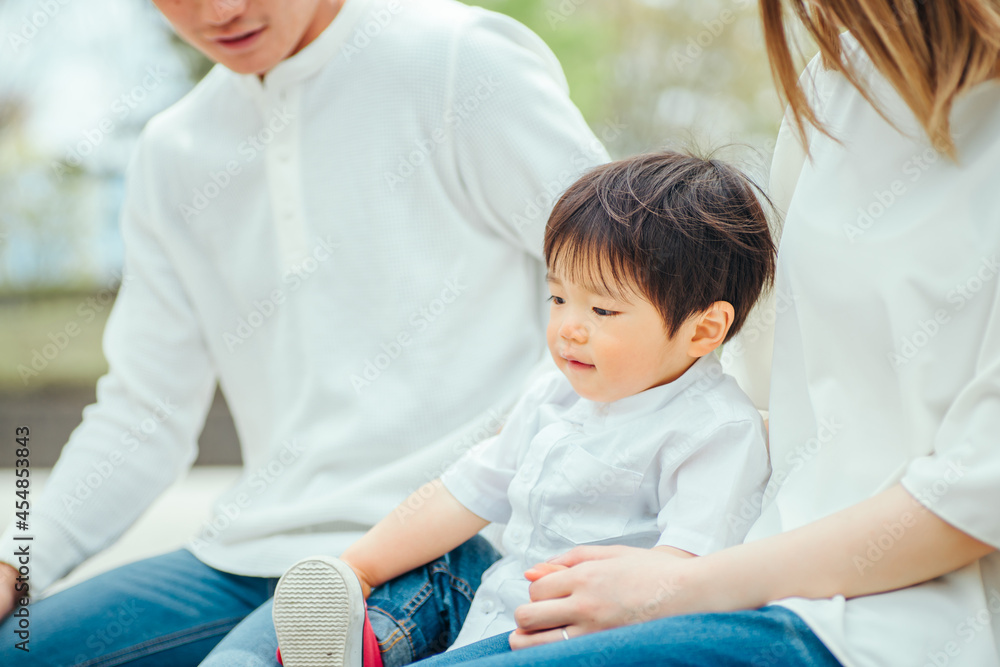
(488, 606)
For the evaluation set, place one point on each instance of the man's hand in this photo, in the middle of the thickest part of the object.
(597, 588)
(8, 596)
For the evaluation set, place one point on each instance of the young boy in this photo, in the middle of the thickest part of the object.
(637, 439)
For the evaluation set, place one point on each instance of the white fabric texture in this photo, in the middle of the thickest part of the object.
(682, 465)
(886, 362)
(352, 249)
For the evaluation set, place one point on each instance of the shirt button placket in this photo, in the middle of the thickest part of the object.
(283, 168)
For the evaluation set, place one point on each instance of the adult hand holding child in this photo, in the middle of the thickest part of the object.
(575, 594)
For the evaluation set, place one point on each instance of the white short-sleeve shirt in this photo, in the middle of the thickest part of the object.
(683, 464)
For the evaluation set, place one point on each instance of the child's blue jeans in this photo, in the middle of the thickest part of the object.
(173, 610)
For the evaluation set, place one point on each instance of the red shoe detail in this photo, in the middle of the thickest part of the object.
(369, 644)
(279, 657)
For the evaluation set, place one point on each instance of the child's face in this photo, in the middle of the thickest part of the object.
(610, 348)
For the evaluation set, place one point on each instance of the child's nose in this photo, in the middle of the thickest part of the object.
(573, 329)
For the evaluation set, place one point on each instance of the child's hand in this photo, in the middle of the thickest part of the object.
(536, 572)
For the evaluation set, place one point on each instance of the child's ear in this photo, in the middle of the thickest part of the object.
(711, 328)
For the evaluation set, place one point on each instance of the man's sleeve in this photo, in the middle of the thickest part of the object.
(715, 495)
(519, 141)
(141, 434)
(480, 478)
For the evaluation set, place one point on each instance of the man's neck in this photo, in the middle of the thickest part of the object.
(326, 12)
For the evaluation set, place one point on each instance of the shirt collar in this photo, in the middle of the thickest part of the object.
(313, 56)
(706, 371)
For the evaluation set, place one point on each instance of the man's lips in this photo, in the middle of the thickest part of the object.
(240, 39)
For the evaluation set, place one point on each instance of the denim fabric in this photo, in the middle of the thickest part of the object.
(767, 637)
(484, 648)
(167, 610)
(173, 610)
(420, 613)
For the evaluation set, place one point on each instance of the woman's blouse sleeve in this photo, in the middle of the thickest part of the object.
(960, 480)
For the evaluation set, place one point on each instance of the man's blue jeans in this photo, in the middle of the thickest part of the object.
(173, 610)
(767, 637)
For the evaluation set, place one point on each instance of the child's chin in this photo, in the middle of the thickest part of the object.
(591, 394)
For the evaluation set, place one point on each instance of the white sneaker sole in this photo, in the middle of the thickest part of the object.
(319, 614)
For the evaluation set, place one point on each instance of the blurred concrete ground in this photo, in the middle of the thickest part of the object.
(165, 526)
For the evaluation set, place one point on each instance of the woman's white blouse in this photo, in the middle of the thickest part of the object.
(886, 359)
(682, 464)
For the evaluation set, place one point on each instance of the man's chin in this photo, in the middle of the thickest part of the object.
(249, 70)
(250, 63)
(256, 66)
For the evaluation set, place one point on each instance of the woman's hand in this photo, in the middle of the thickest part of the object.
(597, 588)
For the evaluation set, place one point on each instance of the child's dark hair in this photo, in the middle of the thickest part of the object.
(685, 231)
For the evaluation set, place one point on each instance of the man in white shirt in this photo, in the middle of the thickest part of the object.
(341, 225)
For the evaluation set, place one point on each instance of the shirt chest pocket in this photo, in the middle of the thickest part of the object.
(586, 499)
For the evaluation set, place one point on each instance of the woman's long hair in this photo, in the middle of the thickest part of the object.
(931, 51)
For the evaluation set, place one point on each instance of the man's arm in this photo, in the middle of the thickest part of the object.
(525, 142)
(141, 434)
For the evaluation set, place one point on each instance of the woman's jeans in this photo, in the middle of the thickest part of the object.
(173, 610)
(767, 637)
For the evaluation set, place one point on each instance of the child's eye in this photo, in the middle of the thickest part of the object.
(605, 313)
(558, 300)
